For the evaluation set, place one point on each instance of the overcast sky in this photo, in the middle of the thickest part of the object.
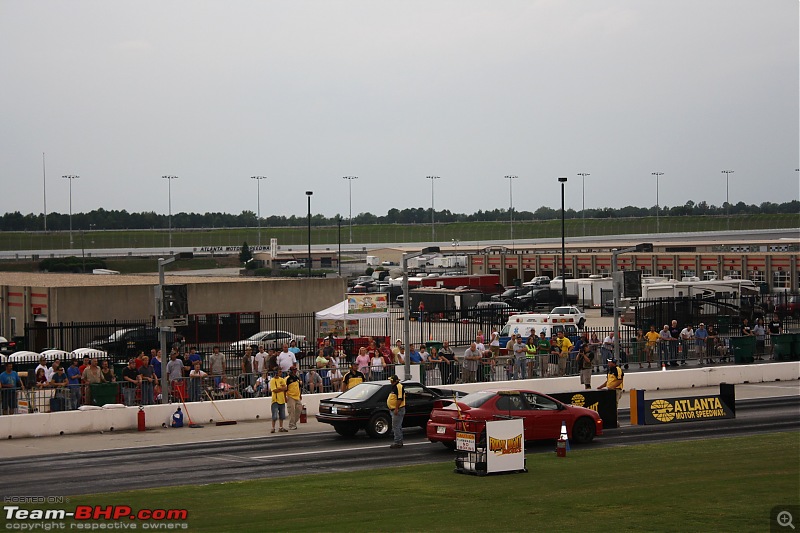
(123, 92)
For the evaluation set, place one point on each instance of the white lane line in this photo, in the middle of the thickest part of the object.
(334, 450)
(232, 458)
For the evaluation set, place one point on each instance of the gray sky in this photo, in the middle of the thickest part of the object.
(306, 92)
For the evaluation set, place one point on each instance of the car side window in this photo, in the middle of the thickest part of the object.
(509, 402)
(541, 403)
(414, 389)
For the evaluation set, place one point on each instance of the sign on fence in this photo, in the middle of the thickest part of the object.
(684, 408)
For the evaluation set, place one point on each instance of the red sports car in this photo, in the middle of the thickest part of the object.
(542, 416)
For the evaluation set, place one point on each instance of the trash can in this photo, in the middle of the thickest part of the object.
(103, 393)
(783, 346)
(118, 368)
(743, 348)
(433, 344)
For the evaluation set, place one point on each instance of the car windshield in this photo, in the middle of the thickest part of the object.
(362, 391)
(505, 330)
(562, 311)
(476, 399)
(258, 336)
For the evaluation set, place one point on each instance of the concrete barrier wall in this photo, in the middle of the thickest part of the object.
(69, 422)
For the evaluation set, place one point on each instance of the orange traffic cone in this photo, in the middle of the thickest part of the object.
(663, 367)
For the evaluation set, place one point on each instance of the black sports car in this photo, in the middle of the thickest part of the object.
(364, 407)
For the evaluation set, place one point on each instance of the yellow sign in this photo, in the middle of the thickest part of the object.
(465, 441)
(688, 409)
(505, 446)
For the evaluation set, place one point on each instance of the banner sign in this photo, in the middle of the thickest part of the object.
(604, 402)
(337, 327)
(359, 304)
(686, 409)
(505, 446)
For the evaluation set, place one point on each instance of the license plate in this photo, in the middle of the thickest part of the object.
(334, 410)
(440, 429)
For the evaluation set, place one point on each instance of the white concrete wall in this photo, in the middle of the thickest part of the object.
(46, 424)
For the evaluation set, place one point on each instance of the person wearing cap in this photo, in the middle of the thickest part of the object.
(278, 387)
(564, 346)
(353, 377)
(294, 397)
(614, 378)
(700, 338)
(396, 402)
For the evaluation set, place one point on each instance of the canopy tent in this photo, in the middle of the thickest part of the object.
(339, 312)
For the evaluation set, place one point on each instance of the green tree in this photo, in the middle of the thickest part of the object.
(245, 254)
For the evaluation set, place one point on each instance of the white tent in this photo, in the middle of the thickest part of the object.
(339, 312)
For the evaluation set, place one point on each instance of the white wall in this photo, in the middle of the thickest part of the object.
(46, 424)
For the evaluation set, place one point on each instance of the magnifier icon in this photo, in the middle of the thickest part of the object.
(785, 519)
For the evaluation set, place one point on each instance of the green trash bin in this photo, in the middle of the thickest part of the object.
(103, 393)
(743, 348)
(433, 344)
(783, 347)
(118, 368)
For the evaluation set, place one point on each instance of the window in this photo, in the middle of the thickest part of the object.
(665, 272)
(509, 402)
(541, 402)
(758, 276)
(780, 279)
(689, 273)
(603, 272)
(646, 272)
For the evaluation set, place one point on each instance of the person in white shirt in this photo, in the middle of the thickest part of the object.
(687, 336)
(48, 371)
(260, 361)
(286, 359)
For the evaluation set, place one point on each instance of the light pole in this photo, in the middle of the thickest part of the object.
(308, 259)
(406, 313)
(618, 280)
(70, 178)
(91, 230)
(562, 180)
(657, 174)
(583, 199)
(433, 230)
(258, 200)
(169, 197)
(350, 194)
(727, 201)
(160, 320)
(511, 206)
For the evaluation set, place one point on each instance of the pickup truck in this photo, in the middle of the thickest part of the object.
(542, 298)
(292, 265)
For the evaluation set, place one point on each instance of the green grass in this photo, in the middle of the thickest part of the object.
(365, 234)
(725, 484)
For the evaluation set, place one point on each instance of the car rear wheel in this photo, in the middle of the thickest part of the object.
(583, 430)
(379, 425)
(345, 430)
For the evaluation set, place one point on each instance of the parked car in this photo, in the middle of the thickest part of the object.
(7, 347)
(538, 281)
(789, 307)
(269, 338)
(568, 315)
(292, 265)
(542, 298)
(492, 311)
(364, 407)
(541, 414)
(509, 294)
(129, 342)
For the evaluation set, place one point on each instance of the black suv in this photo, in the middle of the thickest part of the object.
(133, 341)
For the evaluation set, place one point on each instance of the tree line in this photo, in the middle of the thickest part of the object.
(101, 219)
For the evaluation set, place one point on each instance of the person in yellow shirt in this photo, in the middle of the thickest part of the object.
(278, 387)
(652, 337)
(565, 345)
(614, 378)
(294, 397)
(396, 402)
(352, 378)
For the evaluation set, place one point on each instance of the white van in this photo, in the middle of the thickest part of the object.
(527, 324)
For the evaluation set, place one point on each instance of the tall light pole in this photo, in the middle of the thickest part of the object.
(70, 178)
(562, 180)
(727, 200)
(308, 259)
(258, 200)
(169, 196)
(350, 194)
(658, 208)
(583, 199)
(433, 227)
(511, 206)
